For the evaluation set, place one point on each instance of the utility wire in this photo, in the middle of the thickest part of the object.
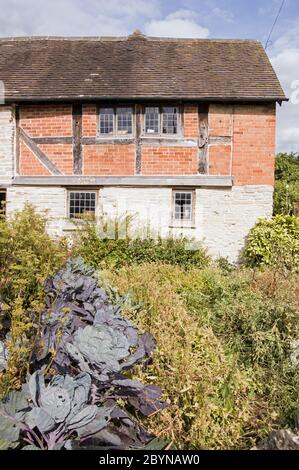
(274, 24)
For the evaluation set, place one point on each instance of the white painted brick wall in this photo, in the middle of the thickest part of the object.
(7, 136)
(223, 217)
(50, 199)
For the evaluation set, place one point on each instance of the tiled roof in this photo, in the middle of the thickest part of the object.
(136, 67)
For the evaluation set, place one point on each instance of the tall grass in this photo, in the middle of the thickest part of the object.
(223, 351)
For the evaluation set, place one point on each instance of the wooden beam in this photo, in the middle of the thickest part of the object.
(203, 142)
(138, 141)
(53, 140)
(77, 138)
(38, 153)
(17, 160)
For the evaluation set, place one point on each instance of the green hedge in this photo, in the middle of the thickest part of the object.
(274, 243)
(118, 252)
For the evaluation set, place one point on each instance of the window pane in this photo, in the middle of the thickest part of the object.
(183, 206)
(81, 203)
(124, 120)
(170, 120)
(152, 120)
(106, 120)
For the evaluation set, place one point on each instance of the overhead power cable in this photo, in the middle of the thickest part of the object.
(274, 24)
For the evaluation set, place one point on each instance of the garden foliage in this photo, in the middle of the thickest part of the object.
(286, 193)
(79, 393)
(274, 243)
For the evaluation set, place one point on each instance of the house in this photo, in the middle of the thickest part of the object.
(179, 132)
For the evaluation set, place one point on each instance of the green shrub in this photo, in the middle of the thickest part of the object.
(117, 252)
(287, 167)
(28, 255)
(223, 351)
(286, 192)
(274, 243)
(286, 198)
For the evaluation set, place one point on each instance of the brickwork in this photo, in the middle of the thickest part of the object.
(190, 121)
(249, 149)
(109, 159)
(61, 155)
(254, 145)
(29, 164)
(169, 160)
(219, 159)
(89, 120)
(47, 120)
(220, 120)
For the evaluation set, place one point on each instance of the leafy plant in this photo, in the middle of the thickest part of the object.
(47, 416)
(28, 256)
(274, 243)
(286, 192)
(123, 248)
(89, 346)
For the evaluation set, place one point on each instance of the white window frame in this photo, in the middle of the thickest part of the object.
(189, 223)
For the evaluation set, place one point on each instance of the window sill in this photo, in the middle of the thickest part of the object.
(190, 226)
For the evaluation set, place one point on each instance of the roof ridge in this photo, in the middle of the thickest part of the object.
(132, 36)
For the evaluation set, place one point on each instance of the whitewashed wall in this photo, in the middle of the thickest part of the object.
(7, 136)
(223, 217)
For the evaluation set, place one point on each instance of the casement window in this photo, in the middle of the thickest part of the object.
(183, 207)
(2, 202)
(161, 120)
(116, 120)
(82, 203)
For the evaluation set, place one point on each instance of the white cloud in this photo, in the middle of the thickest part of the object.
(285, 60)
(181, 24)
(74, 17)
(225, 15)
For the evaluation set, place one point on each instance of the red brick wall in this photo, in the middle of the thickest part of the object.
(190, 121)
(61, 155)
(47, 120)
(109, 159)
(242, 138)
(220, 120)
(89, 120)
(219, 159)
(169, 160)
(29, 164)
(254, 145)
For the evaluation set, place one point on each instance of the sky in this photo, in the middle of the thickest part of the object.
(177, 18)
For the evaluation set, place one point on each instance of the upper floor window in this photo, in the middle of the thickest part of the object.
(116, 120)
(106, 120)
(161, 120)
(170, 120)
(152, 120)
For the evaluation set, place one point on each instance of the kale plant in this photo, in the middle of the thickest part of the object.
(80, 393)
(84, 332)
(48, 416)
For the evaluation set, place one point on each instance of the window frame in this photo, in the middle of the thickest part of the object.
(190, 223)
(3, 207)
(160, 134)
(84, 190)
(115, 134)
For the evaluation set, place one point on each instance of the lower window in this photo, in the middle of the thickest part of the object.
(183, 206)
(2, 202)
(82, 203)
